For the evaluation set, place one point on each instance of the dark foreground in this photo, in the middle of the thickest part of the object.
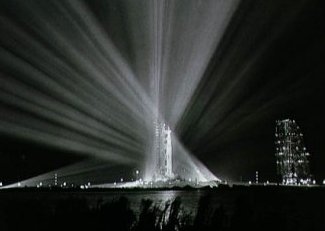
(238, 208)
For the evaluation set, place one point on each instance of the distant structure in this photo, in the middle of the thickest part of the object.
(292, 159)
(55, 179)
(163, 151)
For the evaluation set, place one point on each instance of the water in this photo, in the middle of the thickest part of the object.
(254, 208)
(189, 199)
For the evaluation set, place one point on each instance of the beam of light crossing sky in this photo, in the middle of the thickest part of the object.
(77, 91)
(225, 117)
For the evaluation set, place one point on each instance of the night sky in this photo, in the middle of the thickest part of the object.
(268, 65)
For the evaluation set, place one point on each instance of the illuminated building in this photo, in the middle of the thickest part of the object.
(292, 158)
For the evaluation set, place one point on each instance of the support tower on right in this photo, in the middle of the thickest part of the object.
(292, 158)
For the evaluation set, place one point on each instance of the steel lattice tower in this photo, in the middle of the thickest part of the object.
(292, 158)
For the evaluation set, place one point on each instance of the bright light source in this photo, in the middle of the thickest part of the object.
(88, 110)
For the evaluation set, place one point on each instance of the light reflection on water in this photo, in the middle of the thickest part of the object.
(227, 207)
(189, 199)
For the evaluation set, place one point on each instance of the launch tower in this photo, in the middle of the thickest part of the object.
(292, 158)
